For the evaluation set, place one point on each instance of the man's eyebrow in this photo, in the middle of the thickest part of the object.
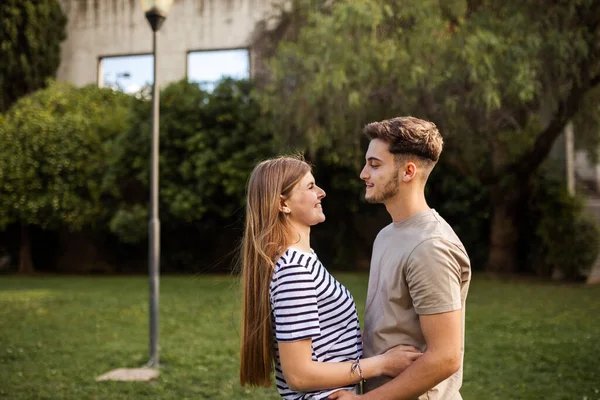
(373, 159)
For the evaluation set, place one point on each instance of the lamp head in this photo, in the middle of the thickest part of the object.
(156, 11)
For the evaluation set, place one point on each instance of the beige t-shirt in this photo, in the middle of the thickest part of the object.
(418, 267)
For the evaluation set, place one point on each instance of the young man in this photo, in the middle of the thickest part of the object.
(420, 271)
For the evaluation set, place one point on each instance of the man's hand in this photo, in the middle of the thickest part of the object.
(344, 395)
(398, 358)
(443, 335)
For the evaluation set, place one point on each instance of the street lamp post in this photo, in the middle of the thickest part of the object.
(120, 75)
(156, 12)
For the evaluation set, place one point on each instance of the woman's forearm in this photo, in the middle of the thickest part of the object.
(313, 375)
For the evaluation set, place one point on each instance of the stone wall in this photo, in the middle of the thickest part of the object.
(101, 28)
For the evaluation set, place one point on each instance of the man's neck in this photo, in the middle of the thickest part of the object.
(401, 208)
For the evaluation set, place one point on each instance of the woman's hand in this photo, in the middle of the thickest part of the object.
(343, 395)
(398, 358)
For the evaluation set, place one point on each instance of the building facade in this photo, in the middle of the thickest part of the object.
(109, 28)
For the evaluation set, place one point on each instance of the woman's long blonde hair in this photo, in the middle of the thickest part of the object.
(266, 237)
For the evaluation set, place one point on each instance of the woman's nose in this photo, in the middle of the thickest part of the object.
(322, 193)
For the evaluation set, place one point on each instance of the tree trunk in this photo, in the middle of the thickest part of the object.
(504, 231)
(25, 262)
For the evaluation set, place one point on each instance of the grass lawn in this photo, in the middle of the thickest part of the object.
(525, 340)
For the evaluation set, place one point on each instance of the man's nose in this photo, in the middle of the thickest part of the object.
(363, 174)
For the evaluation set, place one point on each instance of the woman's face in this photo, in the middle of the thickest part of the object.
(304, 203)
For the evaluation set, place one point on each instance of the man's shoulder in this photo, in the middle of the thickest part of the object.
(438, 245)
(440, 233)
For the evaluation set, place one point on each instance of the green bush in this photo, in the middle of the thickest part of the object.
(209, 143)
(564, 239)
(464, 203)
(55, 143)
(129, 223)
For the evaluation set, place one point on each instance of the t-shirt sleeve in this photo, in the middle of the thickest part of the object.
(434, 277)
(294, 301)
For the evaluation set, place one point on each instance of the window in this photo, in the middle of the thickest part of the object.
(208, 67)
(128, 74)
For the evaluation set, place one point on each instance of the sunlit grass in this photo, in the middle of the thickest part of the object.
(525, 340)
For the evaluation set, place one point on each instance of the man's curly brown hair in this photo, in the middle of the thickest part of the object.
(408, 136)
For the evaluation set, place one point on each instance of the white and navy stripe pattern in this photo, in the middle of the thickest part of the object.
(308, 302)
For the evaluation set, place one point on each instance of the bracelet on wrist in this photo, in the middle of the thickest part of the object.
(356, 367)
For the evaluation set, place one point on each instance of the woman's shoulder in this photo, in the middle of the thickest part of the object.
(295, 261)
(294, 257)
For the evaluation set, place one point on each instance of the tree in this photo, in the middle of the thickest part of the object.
(31, 32)
(55, 144)
(500, 79)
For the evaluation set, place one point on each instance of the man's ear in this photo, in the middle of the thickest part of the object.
(410, 172)
(283, 207)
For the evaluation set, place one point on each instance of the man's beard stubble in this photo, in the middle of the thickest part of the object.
(389, 190)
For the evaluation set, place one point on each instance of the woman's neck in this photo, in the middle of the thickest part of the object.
(301, 238)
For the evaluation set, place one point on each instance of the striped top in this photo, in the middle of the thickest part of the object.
(308, 302)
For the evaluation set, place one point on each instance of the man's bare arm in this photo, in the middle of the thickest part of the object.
(443, 335)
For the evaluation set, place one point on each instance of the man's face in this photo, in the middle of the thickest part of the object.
(380, 173)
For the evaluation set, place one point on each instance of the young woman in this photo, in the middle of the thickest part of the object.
(297, 319)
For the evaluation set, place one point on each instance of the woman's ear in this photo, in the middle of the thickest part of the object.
(283, 207)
